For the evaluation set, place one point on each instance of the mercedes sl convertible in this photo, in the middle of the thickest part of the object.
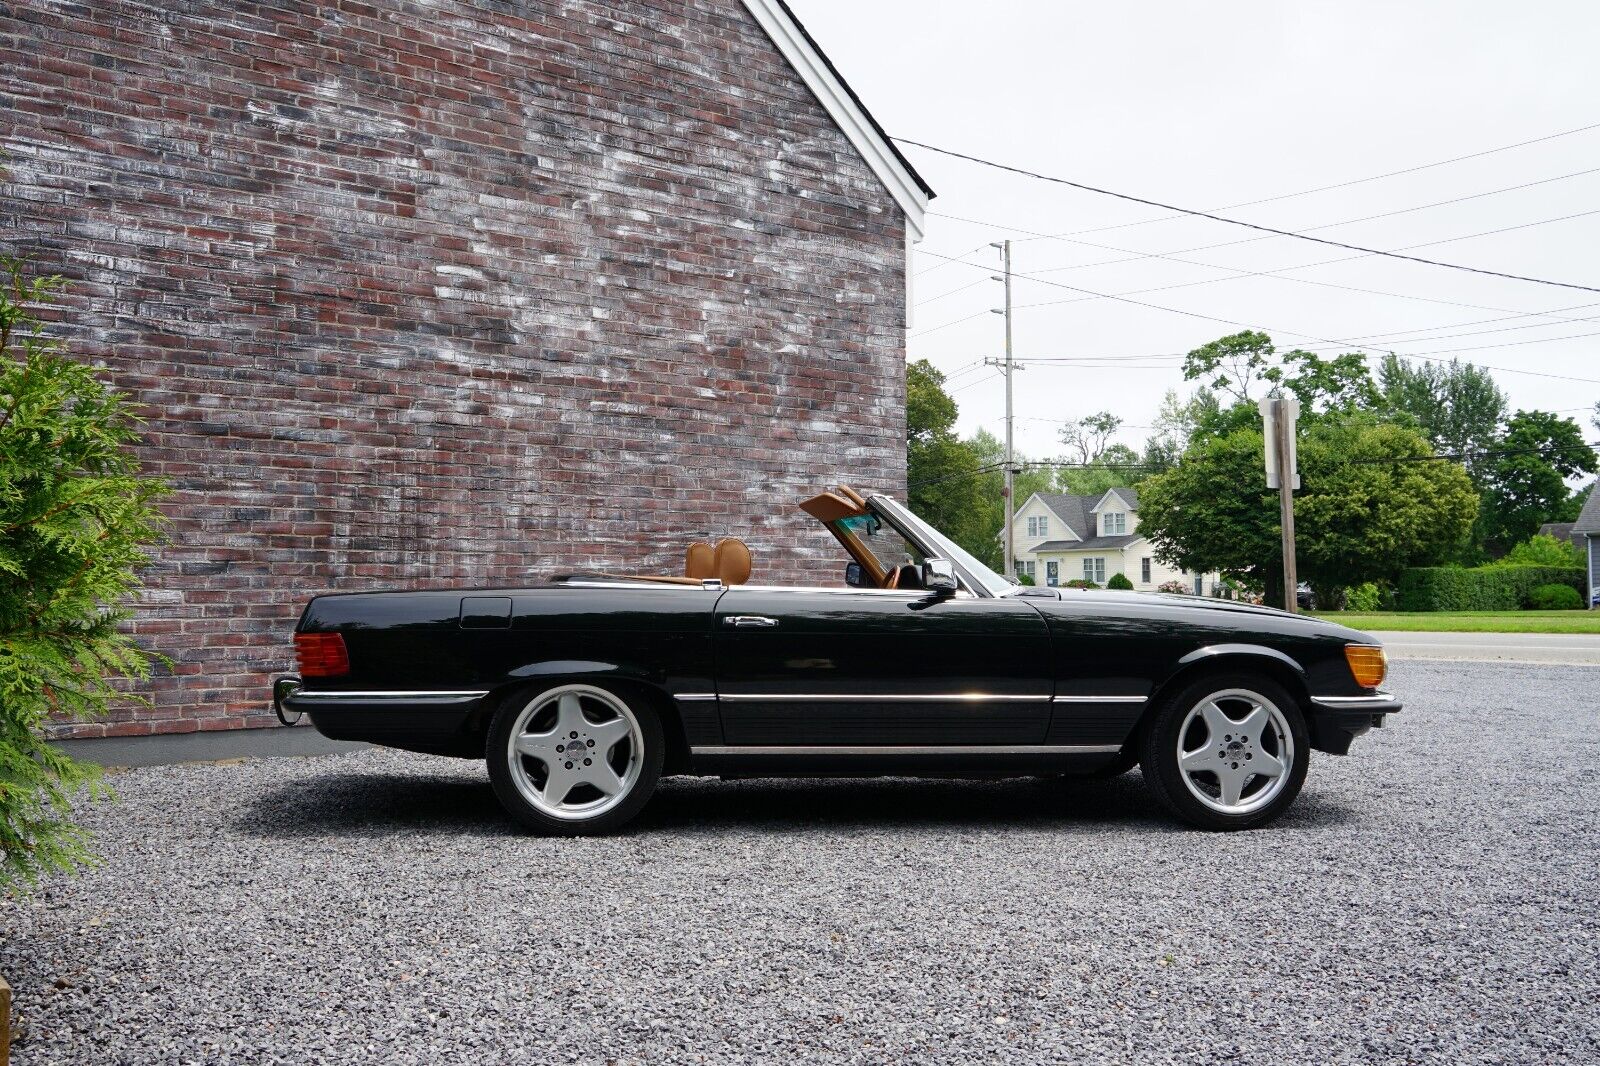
(581, 693)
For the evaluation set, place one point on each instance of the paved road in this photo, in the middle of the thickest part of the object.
(1572, 648)
(1430, 899)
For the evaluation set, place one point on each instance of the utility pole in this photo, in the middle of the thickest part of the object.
(1009, 366)
(1278, 417)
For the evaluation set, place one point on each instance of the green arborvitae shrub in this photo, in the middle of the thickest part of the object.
(1485, 588)
(1554, 598)
(1025, 579)
(1120, 581)
(75, 520)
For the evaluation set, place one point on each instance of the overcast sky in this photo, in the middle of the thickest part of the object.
(1213, 105)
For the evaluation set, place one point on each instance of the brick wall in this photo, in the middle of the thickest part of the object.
(426, 293)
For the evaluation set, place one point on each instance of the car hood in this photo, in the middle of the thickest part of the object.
(1207, 604)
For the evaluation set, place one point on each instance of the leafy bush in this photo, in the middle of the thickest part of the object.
(1555, 598)
(1487, 588)
(1080, 583)
(1365, 598)
(1025, 579)
(1120, 581)
(75, 518)
(1542, 550)
(1177, 588)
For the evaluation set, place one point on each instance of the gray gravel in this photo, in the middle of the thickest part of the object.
(1432, 898)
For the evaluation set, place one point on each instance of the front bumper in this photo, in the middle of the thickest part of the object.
(1336, 721)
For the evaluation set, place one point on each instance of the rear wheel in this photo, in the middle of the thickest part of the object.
(1227, 752)
(574, 759)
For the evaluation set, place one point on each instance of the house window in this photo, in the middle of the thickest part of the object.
(1044, 526)
(1033, 527)
(1144, 570)
(1116, 524)
(1095, 570)
(1030, 567)
(1052, 573)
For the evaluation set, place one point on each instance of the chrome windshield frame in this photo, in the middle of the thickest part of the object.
(934, 544)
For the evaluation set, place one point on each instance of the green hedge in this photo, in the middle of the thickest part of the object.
(1486, 588)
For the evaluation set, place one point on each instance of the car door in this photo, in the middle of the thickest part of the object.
(864, 667)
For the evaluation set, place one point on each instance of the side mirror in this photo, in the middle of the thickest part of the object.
(939, 577)
(853, 576)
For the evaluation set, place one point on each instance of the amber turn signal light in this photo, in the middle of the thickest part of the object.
(321, 654)
(1367, 663)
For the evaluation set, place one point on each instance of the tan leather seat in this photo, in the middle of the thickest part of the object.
(733, 561)
(700, 562)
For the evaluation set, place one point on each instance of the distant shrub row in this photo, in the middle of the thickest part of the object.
(1486, 588)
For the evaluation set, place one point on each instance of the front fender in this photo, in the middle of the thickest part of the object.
(1211, 652)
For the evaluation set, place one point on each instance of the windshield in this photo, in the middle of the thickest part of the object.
(944, 547)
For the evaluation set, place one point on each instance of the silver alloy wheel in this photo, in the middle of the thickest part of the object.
(575, 752)
(1244, 755)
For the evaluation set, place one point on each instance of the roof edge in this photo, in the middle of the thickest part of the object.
(902, 181)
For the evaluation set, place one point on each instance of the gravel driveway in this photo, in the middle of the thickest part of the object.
(1433, 898)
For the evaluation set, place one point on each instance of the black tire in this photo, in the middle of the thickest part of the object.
(1159, 753)
(509, 790)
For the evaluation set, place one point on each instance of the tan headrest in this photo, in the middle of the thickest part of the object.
(733, 561)
(701, 562)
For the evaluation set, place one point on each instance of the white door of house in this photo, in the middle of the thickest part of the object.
(1052, 573)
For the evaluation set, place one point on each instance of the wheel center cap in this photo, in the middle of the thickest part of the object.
(1236, 746)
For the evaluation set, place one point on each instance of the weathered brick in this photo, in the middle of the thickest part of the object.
(449, 293)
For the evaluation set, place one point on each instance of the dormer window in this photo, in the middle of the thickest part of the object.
(1116, 523)
(1038, 527)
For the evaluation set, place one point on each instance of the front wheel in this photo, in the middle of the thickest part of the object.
(1227, 752)
(574, 759)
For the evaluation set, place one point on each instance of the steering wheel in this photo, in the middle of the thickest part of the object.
(891, 579)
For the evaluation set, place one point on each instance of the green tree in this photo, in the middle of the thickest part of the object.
(1370, 505)
(1232, 364)
(943, 473)
(1457, 405)
(76, 518)
(1087, 438)
(1542, 550)
(1527, 476)
(1118, 465)
(1176, 424)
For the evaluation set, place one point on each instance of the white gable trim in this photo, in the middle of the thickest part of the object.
(1101, 503)
(834, 98)
(1020, 518)
(849, 117)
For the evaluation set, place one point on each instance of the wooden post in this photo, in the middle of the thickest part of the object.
(5, 1023)
(1286, 477)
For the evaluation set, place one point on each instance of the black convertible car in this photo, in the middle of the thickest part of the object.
(583, 692)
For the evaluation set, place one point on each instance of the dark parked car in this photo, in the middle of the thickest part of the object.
(581, 693)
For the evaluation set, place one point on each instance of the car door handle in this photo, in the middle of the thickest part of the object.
(749, 620)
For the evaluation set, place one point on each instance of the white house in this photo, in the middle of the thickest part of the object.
(1061, 538)
(1587, 527)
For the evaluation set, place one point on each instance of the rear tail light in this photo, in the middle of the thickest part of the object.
(1368, 664)
(321, 654)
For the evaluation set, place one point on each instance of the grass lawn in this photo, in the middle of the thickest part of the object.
(1471, 621)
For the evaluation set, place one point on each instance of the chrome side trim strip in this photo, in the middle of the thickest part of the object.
(1101, 699)
(908, 749)
(1354, 701)
(934, 697)
(393, 695)
(693, 696)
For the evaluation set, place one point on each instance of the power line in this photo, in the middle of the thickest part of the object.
(1276, 274)
(1248, 225)
(1294, 333)
(1347, 184)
